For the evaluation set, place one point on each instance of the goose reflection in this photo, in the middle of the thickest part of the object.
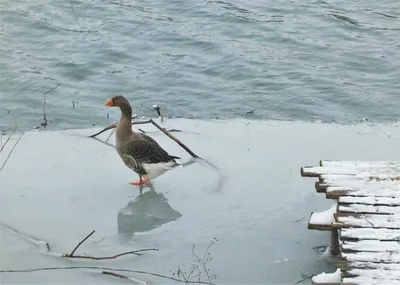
(146, 212)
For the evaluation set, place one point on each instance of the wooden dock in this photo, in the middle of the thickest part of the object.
(364, 219)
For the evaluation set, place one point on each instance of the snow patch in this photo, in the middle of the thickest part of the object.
(325, 217)
(328, 277)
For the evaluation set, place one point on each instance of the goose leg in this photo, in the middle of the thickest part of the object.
(142, 180)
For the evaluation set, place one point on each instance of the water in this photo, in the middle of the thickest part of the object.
(297, 60)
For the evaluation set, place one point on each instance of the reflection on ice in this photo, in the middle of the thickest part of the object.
(148, 211)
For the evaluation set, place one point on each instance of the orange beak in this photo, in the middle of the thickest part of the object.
(109, 103)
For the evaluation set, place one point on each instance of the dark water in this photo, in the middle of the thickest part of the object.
(289, 60)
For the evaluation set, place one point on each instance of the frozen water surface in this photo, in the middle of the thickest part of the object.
(60, 185)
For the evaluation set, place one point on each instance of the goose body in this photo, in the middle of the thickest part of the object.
(138, 151)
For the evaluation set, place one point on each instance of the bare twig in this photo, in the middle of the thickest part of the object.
(79, 244)
(304, 278)
(104, 130)
(123, 277)
(151, 121)
(44, 123)
(9, 137)
(135, 252)
(9, 154)
(101, 268)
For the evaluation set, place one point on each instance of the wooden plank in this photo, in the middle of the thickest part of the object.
(368, 209)
(370, 246)
(322, 220)
(369, 234)
(375, 274)
(360, 280)
(377, 201)
(381, 257)
(368, 221)
(336, 192)
(392, 171)
(320, 187)
(346, 163)
(372, 265)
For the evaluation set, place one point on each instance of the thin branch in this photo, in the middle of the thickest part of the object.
(123, 277)
(135, 252)
(9, 154)
(4, 145)
(104, 130)
(151, 121)
(203, 262)
(101, 268)
(79, 244)
(44, 124)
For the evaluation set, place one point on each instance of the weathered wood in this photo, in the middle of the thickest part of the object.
(378, 171)
(366, 225)
(368, 221)
(336, 192)
(370, 246)
(374, 273)
(359, 280)
(346, 163)
(322, 220)
(369, 234)
(381, 257)
(376, 201)
(335, 247)
(368, 209)
(320, 187)
(352, 264)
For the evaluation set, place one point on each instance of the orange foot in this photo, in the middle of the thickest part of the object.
(137, 182)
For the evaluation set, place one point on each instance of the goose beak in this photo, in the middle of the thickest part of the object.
(109, 103)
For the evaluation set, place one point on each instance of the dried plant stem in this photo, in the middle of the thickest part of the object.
(151, 121)
(135, 252)
(9, 137)
(101, 268)
(123, 277)
(79, 244)
(9, 154)
(44, 123)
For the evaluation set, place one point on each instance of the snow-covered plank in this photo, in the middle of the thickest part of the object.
(369, 234)
(358, 179)
(346, 163)
(368, 221)
(375, 273)
(368, 171)
(389, 201)
(368, 209)
(370, 246)
(382, 257)
(351, 264)
(361, 280)
(336, 192)
(322, 220)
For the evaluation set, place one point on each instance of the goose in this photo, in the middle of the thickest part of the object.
(138, 151)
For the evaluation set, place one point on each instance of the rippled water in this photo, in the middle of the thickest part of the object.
(289, 60)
